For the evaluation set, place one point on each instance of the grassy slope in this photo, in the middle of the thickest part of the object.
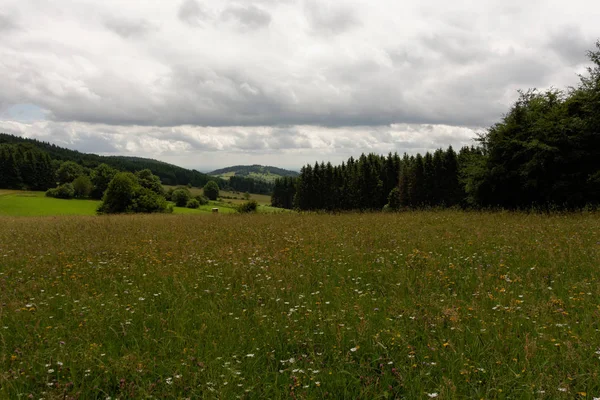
(465, 305)
(17, 204)
(233, 197)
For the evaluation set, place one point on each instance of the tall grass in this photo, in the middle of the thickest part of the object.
(414, 305)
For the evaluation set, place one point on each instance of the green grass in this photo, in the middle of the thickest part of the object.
(232, 197)
(17, 203)
(223, 209)
(465, 305)
(20, 203)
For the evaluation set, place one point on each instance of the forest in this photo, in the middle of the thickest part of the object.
(543, 154)
(32, 164)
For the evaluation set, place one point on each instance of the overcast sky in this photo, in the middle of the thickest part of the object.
(212, 83)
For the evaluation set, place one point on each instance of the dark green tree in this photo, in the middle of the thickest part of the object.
(150, 181)
(68, 171)
(211, 190)
(181, 197)
(101, 177)
(82, 186)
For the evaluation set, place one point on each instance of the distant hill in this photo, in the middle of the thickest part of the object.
(169, 174)
(260, 172)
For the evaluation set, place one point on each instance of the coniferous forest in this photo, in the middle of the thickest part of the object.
(543, 154)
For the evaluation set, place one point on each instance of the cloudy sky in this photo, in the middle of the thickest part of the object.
(212, 83)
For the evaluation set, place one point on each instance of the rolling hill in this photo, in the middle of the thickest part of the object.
(169, 174)
(259, 172)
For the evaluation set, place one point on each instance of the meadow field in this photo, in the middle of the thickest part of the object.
(24, 203)
(412, 305)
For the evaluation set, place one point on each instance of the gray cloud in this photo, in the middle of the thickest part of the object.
(570, 44)
(7, 23)
(330, 18)
(296, 77)
(129, 28)
(192, 13)
(246, 16)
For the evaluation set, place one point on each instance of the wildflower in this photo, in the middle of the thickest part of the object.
(249, 355)
(354, 349)
(50, 371)
(432, 395)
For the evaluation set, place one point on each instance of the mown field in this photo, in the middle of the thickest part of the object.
(413, 305)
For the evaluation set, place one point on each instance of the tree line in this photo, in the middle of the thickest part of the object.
(544, 153)
(26, 163)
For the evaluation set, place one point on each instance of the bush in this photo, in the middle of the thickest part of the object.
(125, 195)
(148, 201)
(101, 177)
(64, 191)
(248, 207)
(150, 181)
(193, 203)
(119, 194)
(202, 200)
(211, 190)
(181, 197)
(68, 171)
(82, 186)
(394, 200)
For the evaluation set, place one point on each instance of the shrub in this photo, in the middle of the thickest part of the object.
(181, 197)
(248, 207)
(394, 200)
(82, 186)
(101, 177)
(150, 181)
(64, 191)
(119, 194)
(148, 201)
(68, 171)
(211, 190)
(193, 203)
(202, 200)
(125, 195)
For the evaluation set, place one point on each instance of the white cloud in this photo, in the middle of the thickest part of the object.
(225, 76)
(212, 147)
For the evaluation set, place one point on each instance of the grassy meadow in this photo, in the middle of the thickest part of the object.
(23, 203)
(414, 305)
